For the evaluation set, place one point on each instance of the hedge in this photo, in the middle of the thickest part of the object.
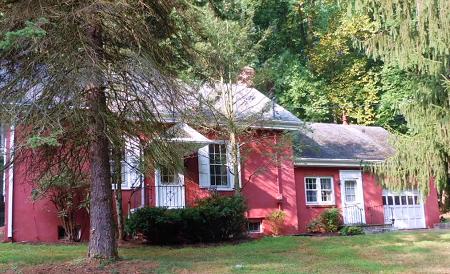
(213, 219)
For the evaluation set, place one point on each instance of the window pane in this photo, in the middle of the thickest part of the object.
(410, 200)
(311, 196)
(403, 199)
(384, 200)
(218, 165)
(326, 196)
(416, 200)
(254, 226)
(390, 200)
(325, 183)
(397, 200)
(350, 191)
(311, 183)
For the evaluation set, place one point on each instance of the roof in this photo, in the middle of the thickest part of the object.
(250, 105)
(336, 143)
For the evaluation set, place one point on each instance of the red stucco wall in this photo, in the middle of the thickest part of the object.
(431, 205)
(267, 186)
(372, 192)
(307, 213)
(264, 183)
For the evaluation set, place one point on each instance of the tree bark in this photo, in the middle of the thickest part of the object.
(102, 236)
(102, 241)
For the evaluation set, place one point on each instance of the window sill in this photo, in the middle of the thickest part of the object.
(223, 189)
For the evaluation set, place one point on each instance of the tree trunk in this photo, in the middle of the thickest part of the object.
(102, 241)
(117, 154)
(234, 153)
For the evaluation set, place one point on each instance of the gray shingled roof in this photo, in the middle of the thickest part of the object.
(249, 102)
(336, 141)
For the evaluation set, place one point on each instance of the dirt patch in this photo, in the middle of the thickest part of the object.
(83, 266)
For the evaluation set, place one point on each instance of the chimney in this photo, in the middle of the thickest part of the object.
(246, 76)
(344, 119)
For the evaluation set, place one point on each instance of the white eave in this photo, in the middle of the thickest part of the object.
(322, 162)
(189, 135)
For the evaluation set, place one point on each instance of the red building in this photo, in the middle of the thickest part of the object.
(323, 167)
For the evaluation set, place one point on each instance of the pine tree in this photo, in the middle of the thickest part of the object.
(90, 73)
(415, 35)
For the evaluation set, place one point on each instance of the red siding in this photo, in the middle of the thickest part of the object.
(305, 212)
(267, 186)
(432, 213)
(372, 192)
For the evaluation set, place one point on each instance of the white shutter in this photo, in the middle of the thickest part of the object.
(203, 167)
(230, 166)
(131, 165)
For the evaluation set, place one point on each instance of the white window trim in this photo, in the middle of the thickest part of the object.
(127, 169)
(319, 189)
(231, 184)
(261, 228)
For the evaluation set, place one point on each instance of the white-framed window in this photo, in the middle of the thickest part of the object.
(254, 226)
(218, 165)
(130, 164)
(168, 176)
(215, 168)
(319, 191)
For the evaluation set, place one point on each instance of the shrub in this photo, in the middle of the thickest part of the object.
(157, 225)
(316, 226)
(351, 230)
(213, 219)
(331, 219)
(276, 220)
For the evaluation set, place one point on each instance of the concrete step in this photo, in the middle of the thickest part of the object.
(442, 226)
(378, 229)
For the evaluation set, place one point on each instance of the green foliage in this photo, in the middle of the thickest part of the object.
(276, 220)
(37, 141)
(214, 219)
(411, 34)
(351, 230)
(414, 35)
(31, 31)
(315, 226)
(330, 220)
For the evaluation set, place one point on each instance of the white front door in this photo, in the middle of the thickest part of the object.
(403, 209)
(352, 197)
(169, 190)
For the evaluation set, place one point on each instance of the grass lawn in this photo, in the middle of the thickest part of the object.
(407, 252)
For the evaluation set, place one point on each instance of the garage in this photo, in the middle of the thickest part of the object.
(403, 209)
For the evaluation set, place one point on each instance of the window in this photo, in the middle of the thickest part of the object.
(218, 169)
(214, 167)
(254, 227)
(319, 190)
(350, 191)
(130, 164)
(168, 176)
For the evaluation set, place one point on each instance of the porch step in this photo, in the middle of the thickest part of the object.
(442, 226)
(374, 229)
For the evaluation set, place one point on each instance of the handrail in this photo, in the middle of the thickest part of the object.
(354, 214)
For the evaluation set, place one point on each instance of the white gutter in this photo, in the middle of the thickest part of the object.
(10, 182)
(334, 162)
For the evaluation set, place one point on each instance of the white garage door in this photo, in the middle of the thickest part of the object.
(403, 209)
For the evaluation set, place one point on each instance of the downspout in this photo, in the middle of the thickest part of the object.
(10, 182)
(278, 163)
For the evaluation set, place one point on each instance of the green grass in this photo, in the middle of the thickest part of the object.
(417, 252)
